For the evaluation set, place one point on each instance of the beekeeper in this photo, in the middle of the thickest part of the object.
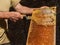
(5, 14)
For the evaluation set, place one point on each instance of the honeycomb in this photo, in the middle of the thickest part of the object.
(42, 27)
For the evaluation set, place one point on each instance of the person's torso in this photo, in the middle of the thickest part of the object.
(5, 5)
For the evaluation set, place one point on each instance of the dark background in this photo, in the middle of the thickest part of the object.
(58, 23)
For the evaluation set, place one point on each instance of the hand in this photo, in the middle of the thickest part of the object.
(15, 16)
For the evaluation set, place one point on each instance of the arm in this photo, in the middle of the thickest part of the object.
(23, 9)
(11, 15)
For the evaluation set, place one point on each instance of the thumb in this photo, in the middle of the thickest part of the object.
(21, 16)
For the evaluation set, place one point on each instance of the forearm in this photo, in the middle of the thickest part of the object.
(6, 14)
(23, 9)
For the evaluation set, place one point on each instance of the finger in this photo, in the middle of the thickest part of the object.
(21, 16)
(14, 19)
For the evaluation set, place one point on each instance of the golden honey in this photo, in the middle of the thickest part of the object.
(42, 28)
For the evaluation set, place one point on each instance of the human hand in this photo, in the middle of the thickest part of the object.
(15, 16)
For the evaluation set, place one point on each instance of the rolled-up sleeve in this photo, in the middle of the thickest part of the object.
(15, 2)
